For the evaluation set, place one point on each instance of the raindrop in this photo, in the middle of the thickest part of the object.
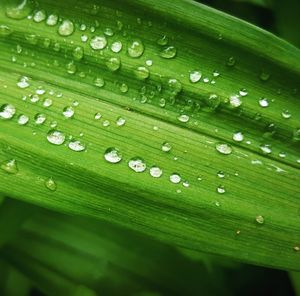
(175, 85)
(166, 147)
(5, 30)
(149, 63)
(120, 121)
(183, 118)
(175, 178)
(52, 20)
(235, 101)
(238, 137)
(213, 101)
(56, 137)
(34, 98)
(195, 76)
(141, 73)
(23, 82)
(23, 119)
(168, 52)
(47, 102)
(66, 28)
(20, 9)
(124, 88)
(221, 174)
(224, 148)
(135, 48)
(216, 73)
(221, 189)
(51, 184)
(260, 219)
(76, 145)
(68, 112)
(263, 102)
(156, 172)
(113, 64)
(99, 82)
(39, 118)
(163, 40)
(186, 184)
(98, 42)
(78, 53)
(97, 116)
(137, 164)
(231, 61)
(243, 92)
(116, 46)
(265, 148)
(10, 166)
(7, 111)
(106, 123)
(286, 114)
(39, 16)
(113, 155)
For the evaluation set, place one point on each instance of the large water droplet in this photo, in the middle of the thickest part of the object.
(195, 76)
(156, 172)
(137, 164)
(23, 119)
(66, 28)
(19, 9)
(98, 42)
(23, 82)
(10, 166)
(135, 48)
(175, 178)
(113, 155)
(68, 112)
(52, 20)
(56, 137)
(224, 148)
(116, 46)
(7, 111)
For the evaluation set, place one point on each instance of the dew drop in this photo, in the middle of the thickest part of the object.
(141, 73)
(120, 121)
(39, 16)
(34, 98)
(238, 137)
(221, 174)
(213, 101)
(296, 248)
(78, 53)
(231, 61)
(260, 219)
(137, 164)
(76, 145)
(7, 111)
(10, 166)
(47, 102)
(39, 118)
(135, 48)
(264, 76)
(263, 102)
(265, 148)
(19, 9)
(99, 82)
(66, 28)
(163, 40)
(156, 172)
(23, 119)
(5, 30)
(175, 178)
(168, 52)
(113, 155)
(106, 123)
(116, 46)
(186, 184)
(124, 88)
(113, 64)
(68, 112)
(56, 137)
(166, 147)
(52, 20)
(243, 92)
(286, 114)
(98, 42)
(224, 148)
(216, 73)
(97, 116)
(221, 189)
(235, 101)
(195, 76)
(23, 82)
(183, 118)
(175, 85)
(51, 184)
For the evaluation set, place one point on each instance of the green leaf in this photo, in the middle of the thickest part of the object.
(252, 214)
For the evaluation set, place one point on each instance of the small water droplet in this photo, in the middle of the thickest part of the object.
(39, 16)
(23, 82)
(260, 219)
(113, 155)
(39, 118)
(78, 53)
(141, 73)
(231, 61)
(135, 48)
(71, 68)
(235, 101)
(116, 46)
(175, 178)
(137, 164)
(175, 85)
(224, 148)
(282, 154)
(213, 101)
(243, 92)
(52, 20)
(186, 184)
(286, 114)
(149, 63)
(76, 145)
(168, 52)
(56, 137)
(264, 76)
(124, 88)
(163, 40)
(296, 248)
(7, 111)
(106, 123)
(5, 30)
(120, 121)
(195, 76)
(221, 189)
(98, 42)
(23, 119)
(238, 137)
(113, 64)
(221, 174)
(156, 172)
(216, 73)
(183, 118)
(97, 116)
(109, 32)
(263, 102)
(47, 103)
(99, 82)
(68, 112)
(10, 166)
(166, 147)
(66, 28)
(265, 148)
(51, 184)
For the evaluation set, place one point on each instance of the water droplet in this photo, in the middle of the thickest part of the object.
(52, 20)
(166, 147)
(149, 63)
(137, 164)
(221, 174)
(5, 30)
(216, 73)
(23, 119)
(39, 16)
(51, 184)
(106, 123)
(175, 178)
(231, 61)
(116, 46)
(68, 112)
(124, 88)
(19, 9)
(113, 155)
(263, 102)
(39, 118)
(135, 48)
(296, 248)
(76, 145)
(183, 118)
(23, 82)
(235, 101)
(168, 52)
(120, 121)
(224, 148)
(113, 64)
(99, 82)
(156, 172)
(163, 40)
(10, 166)
(260, 219)
(66, 28)
(108, 32)
(56, 137)
(221, 189)
(78, 53)
(98, 42)
(243, 92)
(282, 154)
(286, 114)
(175, 85)
(264, 76)
(84, 38)
(97, 116)
(47, 102)
(195, 76)
(238, 137)
(7, 111)
(141, 73)
(186, 184)
(213, 101)
(265, 148)
(34, 98)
